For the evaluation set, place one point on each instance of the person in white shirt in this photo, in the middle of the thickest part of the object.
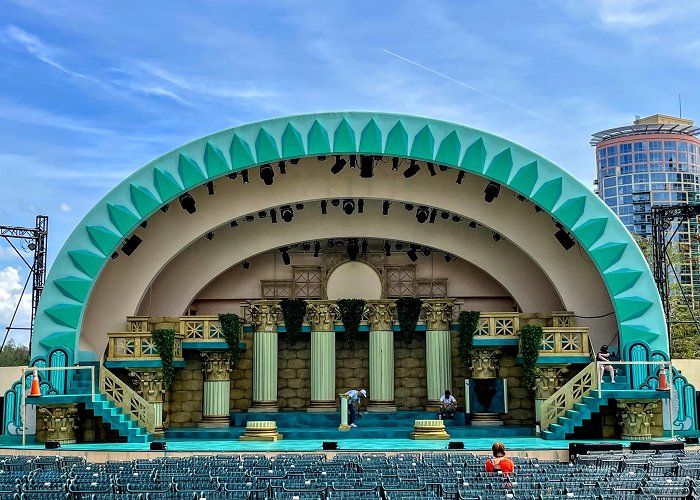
(356, 398)
(448, 405)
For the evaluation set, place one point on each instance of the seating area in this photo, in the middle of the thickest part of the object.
(451, 475)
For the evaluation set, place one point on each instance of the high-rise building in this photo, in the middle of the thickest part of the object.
(654, 161)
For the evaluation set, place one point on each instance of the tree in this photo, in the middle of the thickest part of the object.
(14, 354)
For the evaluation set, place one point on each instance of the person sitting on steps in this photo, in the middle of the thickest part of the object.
(448, 405)
(602, 357)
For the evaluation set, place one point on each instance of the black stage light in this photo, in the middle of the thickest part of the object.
(431, 169)
(232, 176)
(285, 255)
(460, 177)
(394, 163)
(335, 202)
(210, 236)
(244, 174)
(491, 191)
(444, 215)
(427, 251)
(321, 158)
(144, 224)
(267, 174)
(412, 169)
(131, 244)
(210, 188)
(164, 208)
(360, 206)
(433, 215)
(234, 223)
(330, 243)
(273, 216)
(456, 218)
(348, 206)
(330, 445)
(306, 246)
(412, 253)
(353, 249)
(246, 264)
(283, 167)
(159, 446)
(408, 207)
(496, 237)
(448, 257)
(353, 161)
(366, 166)
(339, 243)
(473, 224)
(443, 168)
(387, 249)
(399, 245)
(538, 209)
(455, 445)
(294, 161)
(520, 197)
(52, 445)
(249, 218)
(317, 248)
(262, 214)
(115, 255)
(565, 239)
(364, 247)
(324, 207)
(338, 165)
(286, 213)
(300, 206)
(188, 203)
(422, 214)
(385, 207)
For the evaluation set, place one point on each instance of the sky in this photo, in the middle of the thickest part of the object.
(91, 90)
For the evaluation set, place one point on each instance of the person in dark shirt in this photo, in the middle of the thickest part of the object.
(602, 357)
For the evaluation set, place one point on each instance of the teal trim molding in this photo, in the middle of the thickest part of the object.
(596, 228)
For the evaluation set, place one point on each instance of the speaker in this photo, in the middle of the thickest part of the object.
(455, 445)
(159, 446)
(330, 445)
(585, 448)
(692, 440)
(657, 445)
(52, 445)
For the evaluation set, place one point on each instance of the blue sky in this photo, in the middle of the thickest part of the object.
(92, 90)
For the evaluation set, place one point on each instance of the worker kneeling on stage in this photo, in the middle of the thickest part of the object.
(357, 399)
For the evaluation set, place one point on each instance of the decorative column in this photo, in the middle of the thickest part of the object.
(549, 380)
(149, 385)
(484, 369)
(438, 351)
(323, 316)
(60, 422)
(635, 418)
(381, 357)
(344, 413)
(216, 366)
(265, 357)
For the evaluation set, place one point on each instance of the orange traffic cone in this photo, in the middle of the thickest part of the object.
(35, 391)
(663, 383)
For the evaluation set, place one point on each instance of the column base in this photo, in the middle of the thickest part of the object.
(264, 407)
(322, 406)
(382, 406)
(432, 405)
(343, 427)
(486, 419)
(215, 421)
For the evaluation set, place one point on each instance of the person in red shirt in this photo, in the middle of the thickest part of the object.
(500, 462)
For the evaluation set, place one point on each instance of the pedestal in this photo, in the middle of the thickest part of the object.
(149, 385)
(60, 422)
(344, 413)
(635, 418)
(216, 402)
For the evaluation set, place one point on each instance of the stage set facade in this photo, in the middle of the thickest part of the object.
(351, 205)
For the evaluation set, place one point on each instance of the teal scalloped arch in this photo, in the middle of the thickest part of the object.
(597, 229)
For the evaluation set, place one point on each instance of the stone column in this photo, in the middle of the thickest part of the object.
(265, 354)
(484, 366)
(381, 357)
(635, 418)
(323, 316)
(344, 413)
(216, 367)
(438, 351)
(149, 385)
(60, 422)
(549, 380)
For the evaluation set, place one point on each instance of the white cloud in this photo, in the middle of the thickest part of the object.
(65, 207)
(10, 295)
(629, 14)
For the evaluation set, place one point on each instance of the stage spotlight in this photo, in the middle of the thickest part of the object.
(385, 207)
(324, 207)
(300, 206)
(339, 243)
(460, 177)
(188, 203)
(431, 169)
(496, 237)
(244, 174)
(360, 206)
(427, 251)
(520, 197)
(273, 216)
(338, 165)
(364, 247)
(443, 168)
(565, 239)
(394, 163)
(285, 255)
(422, 214)
(399, 245)
(387, 249)
(538, 209)
(294, 161)
(267, 174)
(115, 255)
(335, 202)
(283, 167)
(210, 236)
(164, 208)
(433, 215)
(412, 253)
(131, 244)
(246, 264)
(408, 207)
(144, 224)
(286, 213)
(232, 175)
(353, 161)
(306, 246)
(473, 224)
(330, 243)
(366, 166)
(348, 206)
(444, 215)
(317, 248)
(412, 169)
(262, 214)
(210, 188)
(249, 218)
(234, 223)
(321, 158)
(353, 249)
(456, 218)
(491, 191)
(448, 257)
